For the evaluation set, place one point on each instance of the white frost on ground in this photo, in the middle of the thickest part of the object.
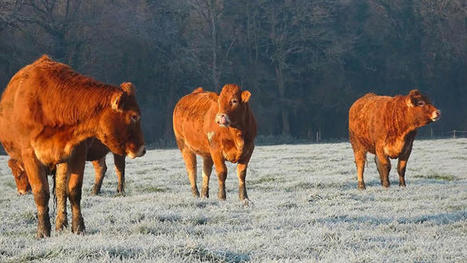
(306, 207)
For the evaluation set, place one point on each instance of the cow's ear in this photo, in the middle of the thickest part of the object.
(128, 88)
(118, 101)
(245, 96)
(414, 93)
(413, 97)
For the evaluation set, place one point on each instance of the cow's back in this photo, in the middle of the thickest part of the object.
(368, 118)
(190, 115)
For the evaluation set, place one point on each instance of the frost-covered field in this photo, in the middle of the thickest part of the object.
(306, 208)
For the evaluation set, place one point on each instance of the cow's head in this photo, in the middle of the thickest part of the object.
(21, 180)
(120, 125)
(233, 103)
(421, 109)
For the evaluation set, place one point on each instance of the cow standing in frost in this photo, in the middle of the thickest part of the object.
(386, 126)
(218, 128)
(47, 114)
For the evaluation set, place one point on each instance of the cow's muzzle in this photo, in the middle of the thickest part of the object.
(141, 151)
(436, 115)
(222, 119)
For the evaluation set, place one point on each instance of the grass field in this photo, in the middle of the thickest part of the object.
(305, 208)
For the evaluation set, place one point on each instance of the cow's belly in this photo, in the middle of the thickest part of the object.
(50, 153)
(197, 143)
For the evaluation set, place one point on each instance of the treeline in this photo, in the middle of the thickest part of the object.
(304, 61)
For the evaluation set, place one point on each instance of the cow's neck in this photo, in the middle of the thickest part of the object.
(399, 127)
(239, 131)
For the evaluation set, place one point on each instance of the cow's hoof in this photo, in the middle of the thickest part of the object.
(21, 192)
(247, 203)
(95, 191)
(205, 192)
(43, 231)
(402, 185)
(61, 222)
(386, 184)
(221, 195)
(195, 192)
(77, 225)
(118, 194)
(242, 194)
(361, 186)
(43, 226)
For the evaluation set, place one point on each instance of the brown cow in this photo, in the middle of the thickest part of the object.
(386, 126)
(218, 128)
(96, 154)
(48, 111)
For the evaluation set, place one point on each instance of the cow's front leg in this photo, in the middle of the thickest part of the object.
(119, 162)
(241, 173)
(384, 166)
(402, 164)
(40, 188)
(75, 183)
(61, 177)
(221, 171)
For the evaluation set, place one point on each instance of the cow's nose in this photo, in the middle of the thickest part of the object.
(436, 115)
(141, 151)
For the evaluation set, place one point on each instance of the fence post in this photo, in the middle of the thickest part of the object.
(454, 134)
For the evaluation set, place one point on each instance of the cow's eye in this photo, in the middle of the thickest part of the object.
(234, 101)
(134, 117)
(421, 103)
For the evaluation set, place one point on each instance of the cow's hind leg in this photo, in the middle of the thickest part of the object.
(61, 178)
(360, 158)
(100, 168)
(384, 166)
(75, 183)
(40, 188)
(119, 162)
(207, 169)
(190, 162)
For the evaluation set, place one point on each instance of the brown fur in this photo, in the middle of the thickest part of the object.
(386, 126)
(48, 111)
(196, 132)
